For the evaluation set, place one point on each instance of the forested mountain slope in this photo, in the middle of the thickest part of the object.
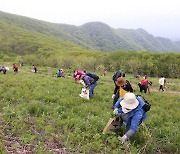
(94, 35)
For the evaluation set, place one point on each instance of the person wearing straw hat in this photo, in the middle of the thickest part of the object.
(130, 110)
(124, 87)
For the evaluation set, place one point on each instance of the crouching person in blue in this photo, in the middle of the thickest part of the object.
(130, 109)
(90, 81)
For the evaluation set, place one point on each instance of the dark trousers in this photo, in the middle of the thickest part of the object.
(143, 88)
(161, 88)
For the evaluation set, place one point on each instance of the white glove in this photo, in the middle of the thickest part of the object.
(124, 139)
(113, 96)
(115, 112)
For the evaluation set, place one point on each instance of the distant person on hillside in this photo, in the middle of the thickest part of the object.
(124, 87)
(3, 69)
(120, 73)
(59, 73)
(131, 111)
(35, 68)
(90, 80)
(104, 73)
(144, 84)
(162, 81)
(15, 68)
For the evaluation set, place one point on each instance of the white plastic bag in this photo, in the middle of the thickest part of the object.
(84, 93)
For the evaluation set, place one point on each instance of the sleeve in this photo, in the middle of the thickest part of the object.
(86, 81)
(116, 97)
(136, 120)
(117, 105)
(129, 87)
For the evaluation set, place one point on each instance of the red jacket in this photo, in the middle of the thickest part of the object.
(144, 82)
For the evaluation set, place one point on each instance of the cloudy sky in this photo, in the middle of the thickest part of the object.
(158, 17)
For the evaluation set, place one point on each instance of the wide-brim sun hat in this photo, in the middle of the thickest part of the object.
(120, 81)
(129, 101)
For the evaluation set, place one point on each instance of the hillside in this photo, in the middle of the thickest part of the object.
(94, 35)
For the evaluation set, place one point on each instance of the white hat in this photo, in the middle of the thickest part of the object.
(129, 101)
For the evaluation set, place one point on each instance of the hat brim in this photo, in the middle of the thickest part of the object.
(129, 106)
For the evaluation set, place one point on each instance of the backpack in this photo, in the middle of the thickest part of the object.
(146, 107)
(118, 74)
(94, 76)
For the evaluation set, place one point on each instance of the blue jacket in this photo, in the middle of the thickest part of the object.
(133, 118)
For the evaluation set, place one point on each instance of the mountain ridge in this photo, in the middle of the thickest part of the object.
(95, 35)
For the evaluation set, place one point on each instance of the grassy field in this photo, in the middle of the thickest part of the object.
(41, 113)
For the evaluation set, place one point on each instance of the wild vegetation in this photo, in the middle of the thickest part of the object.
(41, 113)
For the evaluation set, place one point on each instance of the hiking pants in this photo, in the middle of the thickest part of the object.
(143, 87)
(91, 90)
(161, 88)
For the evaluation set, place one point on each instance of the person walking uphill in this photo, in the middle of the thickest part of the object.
(131, 111)
(90, 81)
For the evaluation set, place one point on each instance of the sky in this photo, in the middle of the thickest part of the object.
(157, 17)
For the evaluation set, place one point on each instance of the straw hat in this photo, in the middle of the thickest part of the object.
(129, 101)
(120, 82)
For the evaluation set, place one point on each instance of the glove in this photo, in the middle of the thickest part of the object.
(124, 139)
(113, 96)
(115, 112)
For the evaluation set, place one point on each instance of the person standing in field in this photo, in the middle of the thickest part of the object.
(144, 84)
(35, 68)
(162, 81)
(15, 68)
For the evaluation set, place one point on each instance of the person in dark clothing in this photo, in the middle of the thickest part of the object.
(35, 69)
(124, 87)
(3, 69)
(120, 73)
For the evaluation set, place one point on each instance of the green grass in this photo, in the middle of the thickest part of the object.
(37, 108)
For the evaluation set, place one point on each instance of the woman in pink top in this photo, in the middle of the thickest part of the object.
(78, 74)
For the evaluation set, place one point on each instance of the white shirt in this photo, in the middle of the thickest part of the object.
(161, 81)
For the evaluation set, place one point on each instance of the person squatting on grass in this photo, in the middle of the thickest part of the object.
(35, 68)
(130, 110)
(60, 73)
(90, 81)
(124, 87)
